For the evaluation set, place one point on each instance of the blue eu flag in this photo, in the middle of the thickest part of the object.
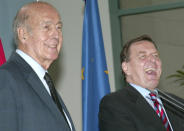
(95, 83)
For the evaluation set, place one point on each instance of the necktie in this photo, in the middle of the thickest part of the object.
(159, 110)
(54, 94)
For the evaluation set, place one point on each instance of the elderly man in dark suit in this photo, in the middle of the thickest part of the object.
(28, 99)
(138, 107)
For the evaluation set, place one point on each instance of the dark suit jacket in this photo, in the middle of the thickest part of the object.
(25, 105)
(127, 110)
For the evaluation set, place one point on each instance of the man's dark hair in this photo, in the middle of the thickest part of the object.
(125, 53)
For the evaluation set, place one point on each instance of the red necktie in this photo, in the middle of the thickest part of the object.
(159, 110)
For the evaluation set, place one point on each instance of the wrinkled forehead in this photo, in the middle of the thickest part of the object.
(44, 14)
(143, 46)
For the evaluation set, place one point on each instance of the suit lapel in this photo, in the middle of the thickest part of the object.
(175, 116)
(36, 84)
(66, 111)
(40, 90)
(142, 104)
(146, 112)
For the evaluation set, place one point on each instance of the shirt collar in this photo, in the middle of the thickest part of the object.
(143, 91)
(40, 71)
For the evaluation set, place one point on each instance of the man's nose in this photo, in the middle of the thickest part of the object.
(152, 58)
(55, 32)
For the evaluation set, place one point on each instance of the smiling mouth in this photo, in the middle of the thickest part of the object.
(52, 46)
(150, 71)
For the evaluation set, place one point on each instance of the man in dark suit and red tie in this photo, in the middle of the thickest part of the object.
(138, 107)
(28, 99)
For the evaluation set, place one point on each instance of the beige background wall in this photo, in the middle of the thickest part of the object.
(67, 70)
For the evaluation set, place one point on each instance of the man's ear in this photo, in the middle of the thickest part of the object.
(22, 34)
(124, 67)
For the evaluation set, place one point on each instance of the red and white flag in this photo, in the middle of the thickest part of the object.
(2, 56)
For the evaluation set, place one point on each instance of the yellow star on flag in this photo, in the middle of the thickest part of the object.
(106, 72)
(82, 73)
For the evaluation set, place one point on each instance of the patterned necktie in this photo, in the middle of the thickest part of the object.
(54, 94)
(159, 110)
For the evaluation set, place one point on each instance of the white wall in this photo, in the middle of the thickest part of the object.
(69, 63)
